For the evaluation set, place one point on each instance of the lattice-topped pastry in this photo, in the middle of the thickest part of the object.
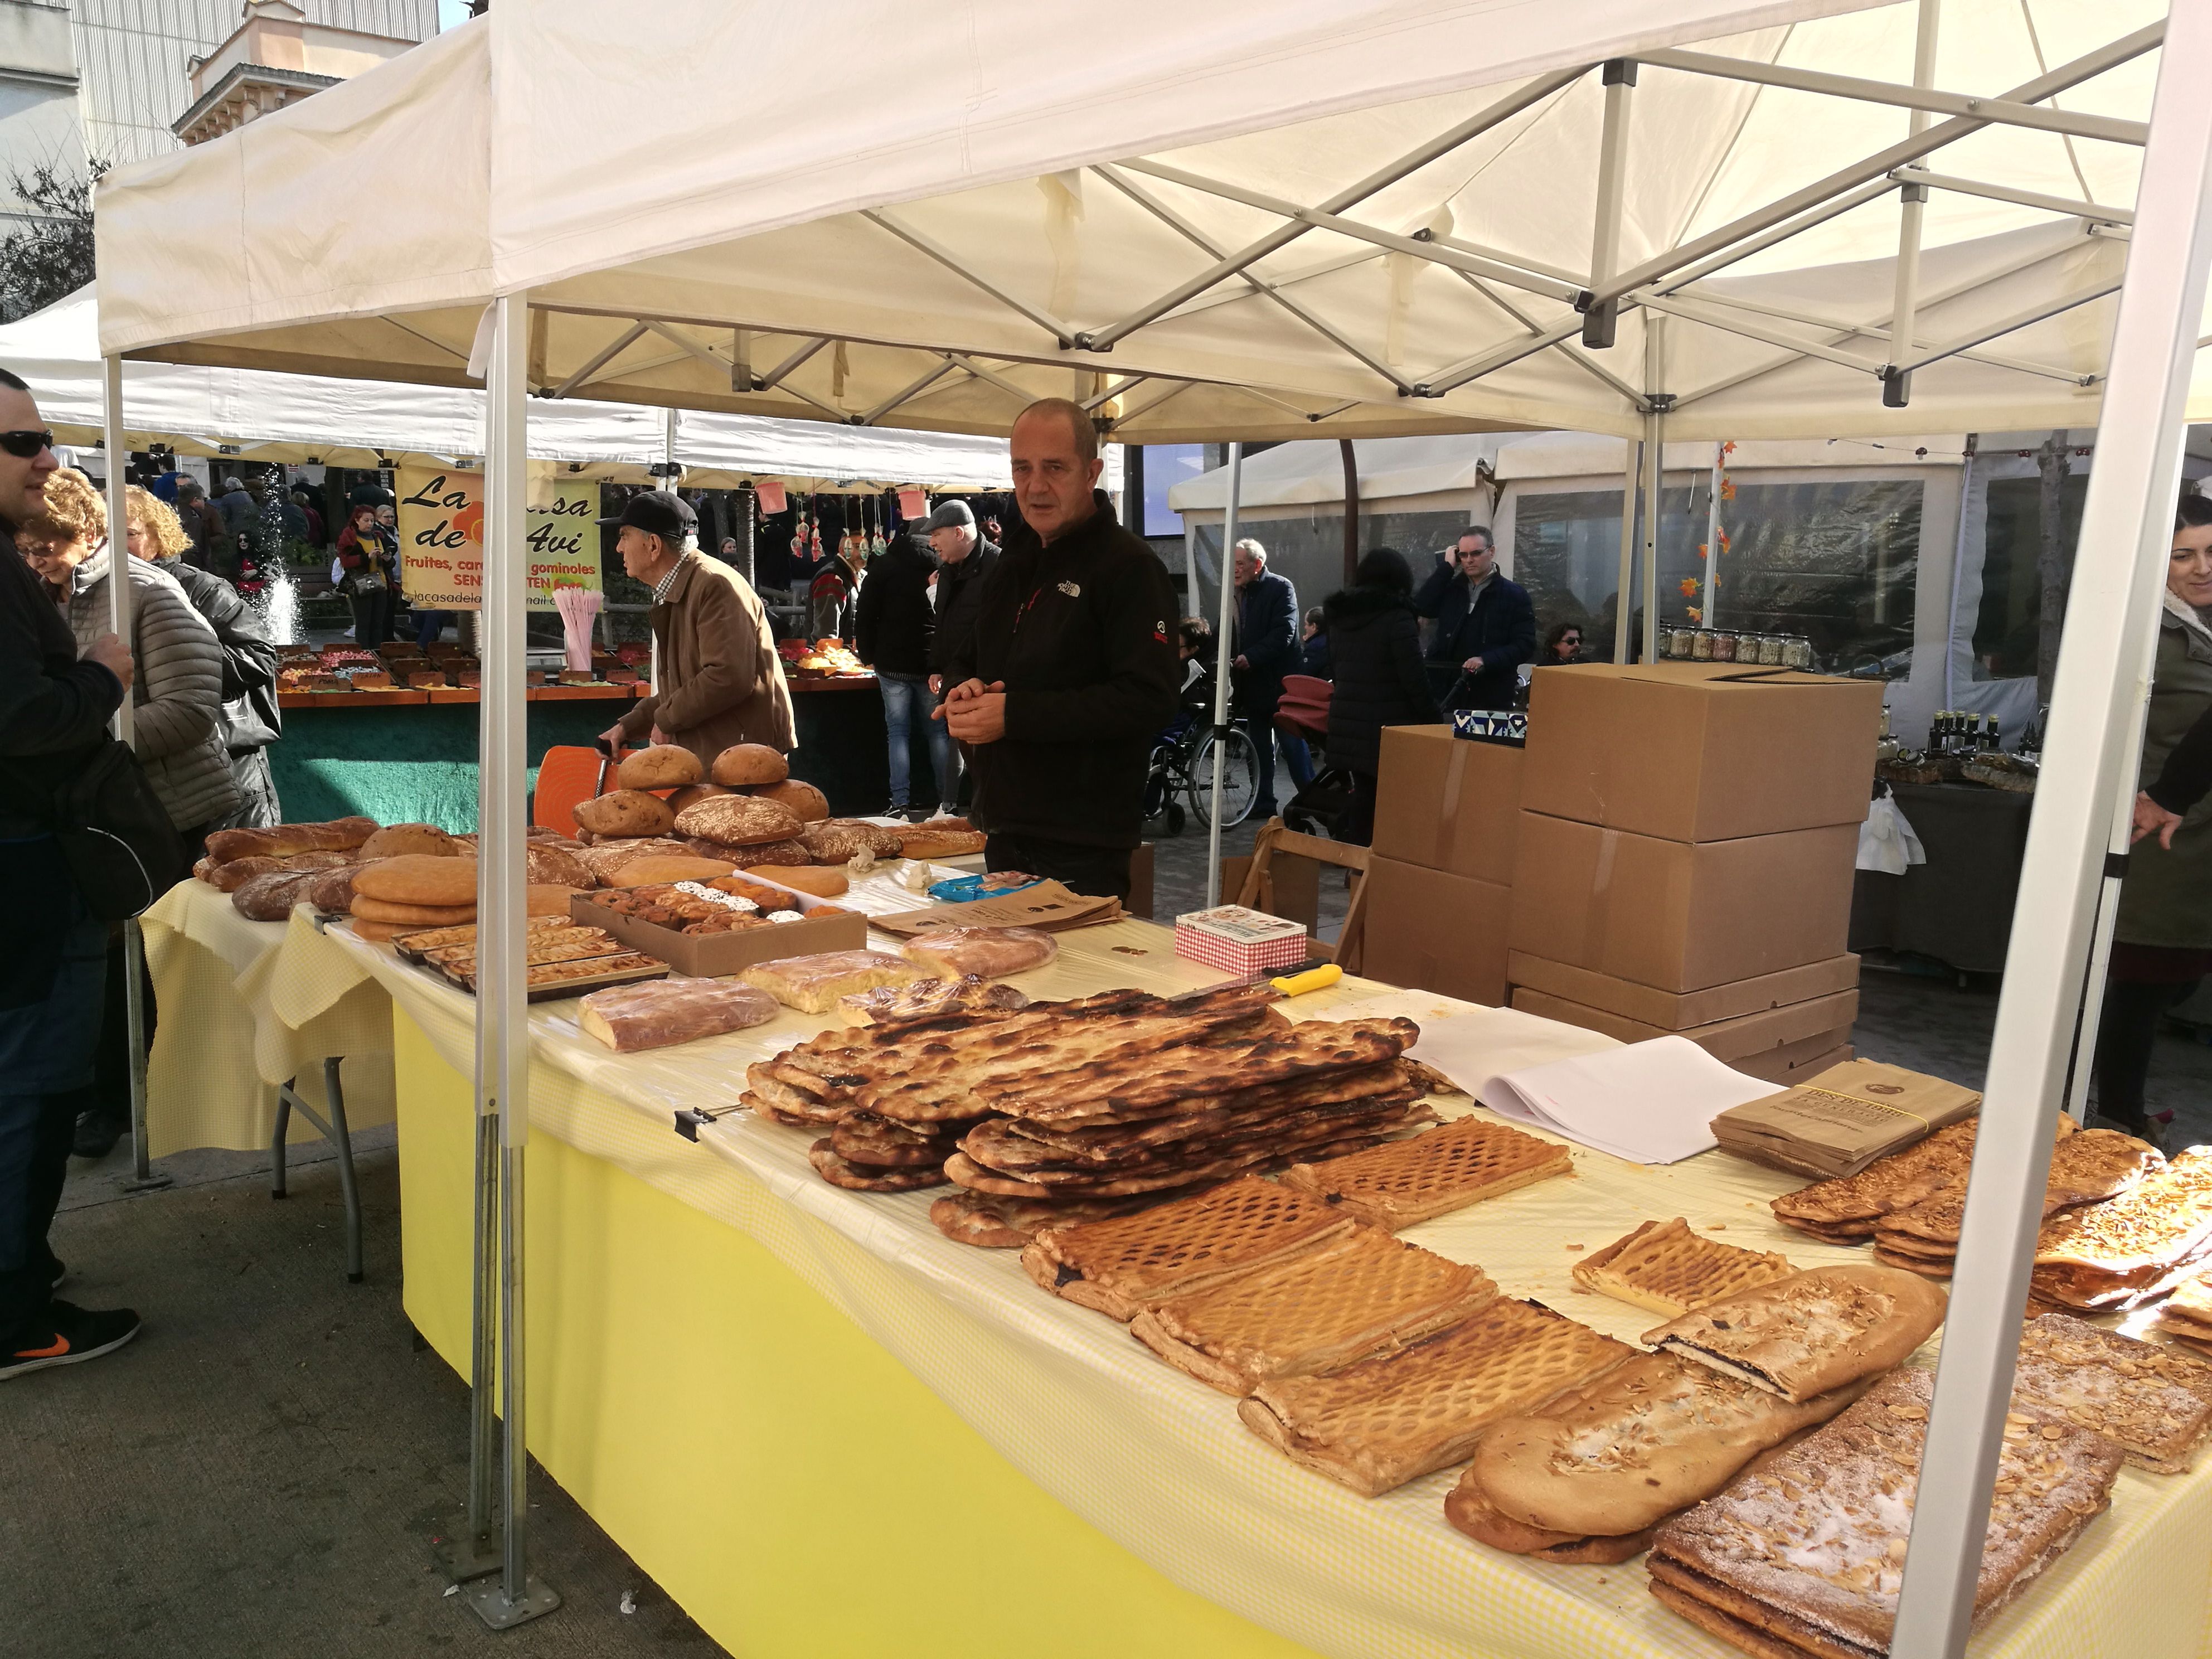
(2152, 1402)
(1122, 1266)
(1365, 1293)
(1665, 1266)
(1462, 1163)
(1812, 1332)
(1618, 1456)
(1805, 1554)
(2138, 1246)
(1379, 1423)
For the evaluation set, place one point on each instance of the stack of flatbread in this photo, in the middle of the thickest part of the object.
(2084, 1169)
(1850, 1209)
(2132, 1250)
(1805, 1554)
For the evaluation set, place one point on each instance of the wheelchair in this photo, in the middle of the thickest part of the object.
(1183, 769)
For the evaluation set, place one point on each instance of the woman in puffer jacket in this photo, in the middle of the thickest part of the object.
(177, 701)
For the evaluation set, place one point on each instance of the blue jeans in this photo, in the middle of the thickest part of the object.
(429, 624)
(907, 698)
(53, 959)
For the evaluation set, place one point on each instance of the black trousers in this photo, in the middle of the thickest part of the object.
(2127, 1031)
(1096, 872)
(1356, 823)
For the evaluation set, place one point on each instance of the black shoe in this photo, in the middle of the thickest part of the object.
(76, 1336)
(96, 1135)
(55, 1277)
(897, 809)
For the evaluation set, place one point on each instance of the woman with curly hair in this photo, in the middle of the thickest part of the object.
(251, 719)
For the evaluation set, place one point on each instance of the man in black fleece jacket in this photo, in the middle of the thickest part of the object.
(54, 710)
(1072, 671)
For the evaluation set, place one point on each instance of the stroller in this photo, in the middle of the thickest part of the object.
(1304, 713)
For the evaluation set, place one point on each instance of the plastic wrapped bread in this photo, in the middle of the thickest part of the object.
(660, 1013)
(989, 953)
(813, 984)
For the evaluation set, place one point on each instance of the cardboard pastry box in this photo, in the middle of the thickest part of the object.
(826, 925)
(1429, 930)
(1700, 751)
(1680, 1010)
(1676, 916)
(1446, 804)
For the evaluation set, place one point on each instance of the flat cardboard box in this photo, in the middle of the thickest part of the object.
(1674, 1010)
(827, 926)
(1448, 804)
(1427, 930)
(1700, 751)
(1727, 1041)
(1791, 1066)
(1677, 915)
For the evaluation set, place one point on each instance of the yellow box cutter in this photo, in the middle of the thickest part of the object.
(1310, 979)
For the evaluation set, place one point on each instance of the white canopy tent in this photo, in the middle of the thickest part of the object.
(1265, 222)
(256, 415)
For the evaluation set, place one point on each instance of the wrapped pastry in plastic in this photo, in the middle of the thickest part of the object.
(813, 984)
(991, 952)
(932, 999)
(662, 1012)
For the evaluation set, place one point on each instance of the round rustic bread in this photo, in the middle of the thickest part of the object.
(691, 792)
(419, 879)
(396, 840)
(839, 838)
(625, 812)
(819, 880)
(738, 820)
(550, 863)
(419, 915)
(331, 892)
(801, 797)
(663, 765)
(745, 764)
(658, 867)
(607, 857)
(766, 852)
(550, 898)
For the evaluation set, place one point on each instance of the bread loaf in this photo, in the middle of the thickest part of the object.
(744, 764)
(412, 915)
(270, 896)
(551, 899)
(839, 838)
(663, 1013)
(378, 932)
(822, 881)
(745, 858)
(738, 820)
(809, 804)
(625, 812)
(331, 892)
(988, 953)
(229, 878)
(395, 839)
(680, 799)
(658, 867)
(338, 835)
(604, 860)
(418, 880)
(663, 765)
(813, 984)
(553, 863)
(939, 843)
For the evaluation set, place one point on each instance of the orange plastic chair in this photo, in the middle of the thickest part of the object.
(567, 778)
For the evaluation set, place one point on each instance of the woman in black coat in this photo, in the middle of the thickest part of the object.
(1374, 658)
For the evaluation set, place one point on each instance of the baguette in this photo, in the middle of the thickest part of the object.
(284, 839)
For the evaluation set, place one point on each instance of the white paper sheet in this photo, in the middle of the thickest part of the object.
(1650, 1103)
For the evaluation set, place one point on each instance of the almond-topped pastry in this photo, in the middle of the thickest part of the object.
(2134, 1248)
(1807, 1334)
(2087, 1168)
(2152, 1402)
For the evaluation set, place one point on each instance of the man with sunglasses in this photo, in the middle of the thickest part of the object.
(54, 710)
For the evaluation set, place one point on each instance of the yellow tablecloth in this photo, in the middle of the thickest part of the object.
(245, 1005)
(1154, 1461)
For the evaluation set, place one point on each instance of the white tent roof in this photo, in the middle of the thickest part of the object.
(960, 228)
(259, 415)
(1310, 472)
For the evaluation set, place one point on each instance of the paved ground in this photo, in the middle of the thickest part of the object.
(262, 1473)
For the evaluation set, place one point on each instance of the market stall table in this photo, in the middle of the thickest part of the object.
(1957, 907)
(885, 1481)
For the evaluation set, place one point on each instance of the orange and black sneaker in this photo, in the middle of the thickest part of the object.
(76, 1335)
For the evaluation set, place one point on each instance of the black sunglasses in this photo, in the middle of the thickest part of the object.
(27, 445)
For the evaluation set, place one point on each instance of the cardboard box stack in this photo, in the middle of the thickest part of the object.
(1683, 861)
(1439, 884)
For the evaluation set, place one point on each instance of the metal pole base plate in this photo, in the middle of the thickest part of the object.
(463, 1559)
(488, 1597)
(152, 1183)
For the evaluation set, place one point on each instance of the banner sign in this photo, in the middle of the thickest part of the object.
(442, 537)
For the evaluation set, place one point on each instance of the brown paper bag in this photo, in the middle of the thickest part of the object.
(1049, 905)
(1840, 1121)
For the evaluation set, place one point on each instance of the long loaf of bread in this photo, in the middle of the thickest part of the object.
(284, 841)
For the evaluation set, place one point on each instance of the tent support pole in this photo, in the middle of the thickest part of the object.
(1655, 474)
(2090, 757)
(120, 600)
(1712, 605)
(1351, 459)
(1222, 657)
(1896, 384)
(1190, 563)
(1619, 75)
(1631, 477)
(511, 1597)
(2094, 212)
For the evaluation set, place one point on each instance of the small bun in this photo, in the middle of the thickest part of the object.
(663, 765)
(744, 764)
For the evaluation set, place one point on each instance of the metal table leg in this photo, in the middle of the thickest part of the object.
(335, 1130)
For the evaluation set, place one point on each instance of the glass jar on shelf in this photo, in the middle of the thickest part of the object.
(1724, 640)
(1701, 646)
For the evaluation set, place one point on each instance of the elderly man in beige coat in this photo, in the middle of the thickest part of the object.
(721, 681)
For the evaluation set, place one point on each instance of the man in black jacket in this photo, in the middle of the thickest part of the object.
(892, 628)
(1072, 670)
(1485, 628)
(54, 711)
(1267, 645)
(965, 557)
